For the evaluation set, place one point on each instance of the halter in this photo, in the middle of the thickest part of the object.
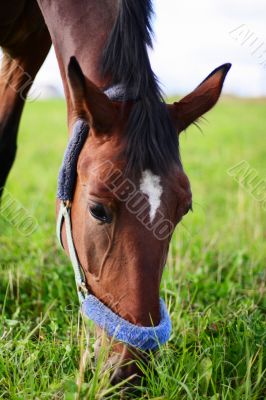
(143, 338)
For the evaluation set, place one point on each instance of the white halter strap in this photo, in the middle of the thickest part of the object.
(64, 216)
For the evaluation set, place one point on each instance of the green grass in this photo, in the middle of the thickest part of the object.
(214, 282)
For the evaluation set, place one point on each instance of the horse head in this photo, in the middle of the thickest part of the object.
(123, 218)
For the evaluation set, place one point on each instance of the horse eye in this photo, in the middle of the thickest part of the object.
(101, 213)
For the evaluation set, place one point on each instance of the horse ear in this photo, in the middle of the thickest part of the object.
(201, 100)
(88, 101)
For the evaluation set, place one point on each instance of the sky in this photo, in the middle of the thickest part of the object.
(194, 37)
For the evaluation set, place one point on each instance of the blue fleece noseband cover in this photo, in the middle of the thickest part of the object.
(143, 338)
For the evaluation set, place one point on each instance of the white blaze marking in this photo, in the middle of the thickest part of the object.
(150, 185)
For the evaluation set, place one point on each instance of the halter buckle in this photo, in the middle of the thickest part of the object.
(83, 288)
(67, 204)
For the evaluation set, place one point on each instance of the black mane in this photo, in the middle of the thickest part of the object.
(152, 138)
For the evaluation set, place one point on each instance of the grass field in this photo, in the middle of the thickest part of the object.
(214, 282)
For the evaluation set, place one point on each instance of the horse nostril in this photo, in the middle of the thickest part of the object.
(118, 360)
(117, 376)
(122, 373)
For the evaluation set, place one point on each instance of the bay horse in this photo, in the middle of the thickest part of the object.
(122, 188)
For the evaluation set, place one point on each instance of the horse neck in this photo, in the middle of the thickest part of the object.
(80, 28)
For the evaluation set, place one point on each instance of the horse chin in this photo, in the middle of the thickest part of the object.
(119, 360)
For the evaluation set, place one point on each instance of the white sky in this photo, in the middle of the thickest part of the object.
(193, 37)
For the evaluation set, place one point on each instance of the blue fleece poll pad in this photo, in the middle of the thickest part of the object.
(68, 171)
(143, 338)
